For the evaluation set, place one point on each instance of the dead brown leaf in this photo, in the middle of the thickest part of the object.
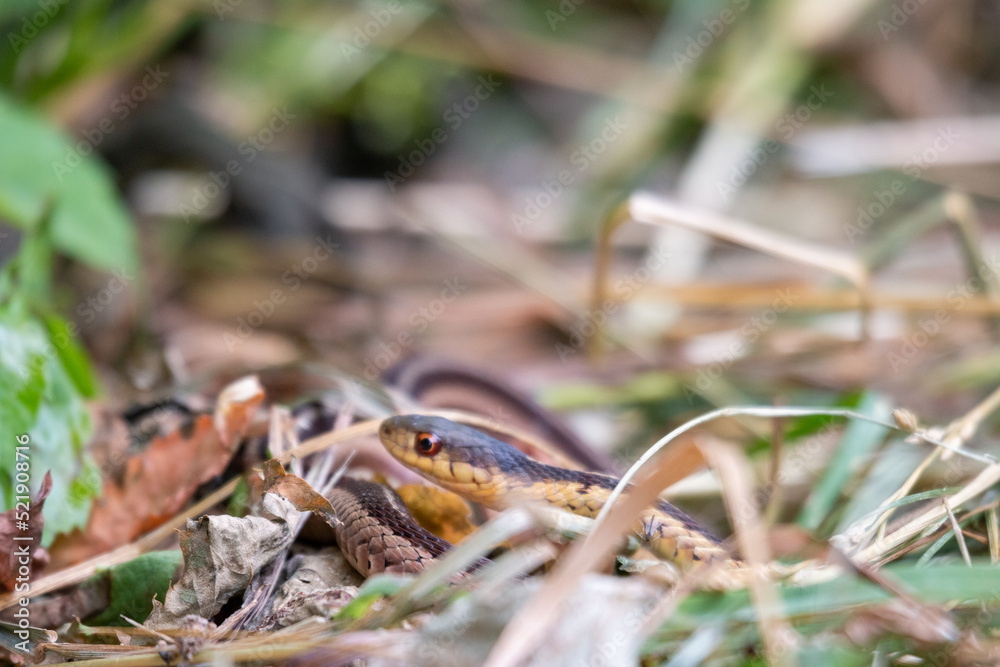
(297, 491)
(221, 555)
(158, 482)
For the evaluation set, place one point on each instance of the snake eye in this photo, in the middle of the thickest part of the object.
(428, 444)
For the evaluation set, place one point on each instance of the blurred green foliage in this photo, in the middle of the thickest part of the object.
(64, 202)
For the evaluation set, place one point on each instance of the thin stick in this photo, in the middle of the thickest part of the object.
(959, 537)
(993, 533)
(751, 534)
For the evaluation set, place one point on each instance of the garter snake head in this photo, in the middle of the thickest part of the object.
(459, 458)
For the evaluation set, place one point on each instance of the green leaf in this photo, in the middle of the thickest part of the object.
(41, 399)
(897, 460)
(133, 585)
(239, 502)
(74, 359)
(375, 588)
(39, 164)
(858, 442)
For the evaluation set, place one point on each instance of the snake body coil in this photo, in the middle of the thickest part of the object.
(376, 533)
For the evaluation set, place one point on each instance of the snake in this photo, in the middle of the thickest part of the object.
(377, 532)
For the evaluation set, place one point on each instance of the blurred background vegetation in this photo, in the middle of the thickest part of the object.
(194, 188)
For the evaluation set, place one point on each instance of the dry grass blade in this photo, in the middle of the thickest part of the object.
(391, 647)
(498, 575)
(651, 209)
(956, 434)
(883, 546)
(965, 427)
(811, 298)
(751, 534)
(654, 210)
(101, 653)
(889, 245)
(524, 55)
(857, 148)
(495, 531)
(529, 627)
(321, 442)
(959, 534)
(993, 534)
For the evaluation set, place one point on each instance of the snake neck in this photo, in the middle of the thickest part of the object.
(582, 493)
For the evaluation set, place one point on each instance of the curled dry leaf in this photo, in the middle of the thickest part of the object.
(221, 555)
(235, 407)
(297, 491)
(159, 481)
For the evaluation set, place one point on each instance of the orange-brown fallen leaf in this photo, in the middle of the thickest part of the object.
(158, 482)
(297, 491)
